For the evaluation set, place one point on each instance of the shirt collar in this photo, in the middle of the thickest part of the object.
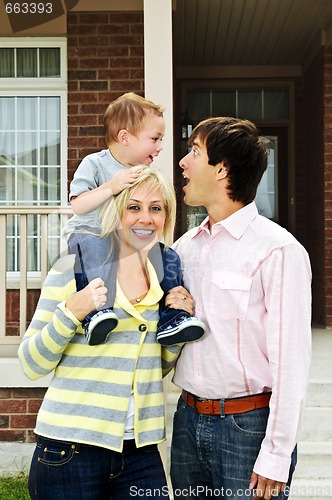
(153, 296)
(235, 224)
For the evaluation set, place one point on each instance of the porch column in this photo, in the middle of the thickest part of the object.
(159, 70)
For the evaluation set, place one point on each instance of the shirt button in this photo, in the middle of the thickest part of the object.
(142, 328)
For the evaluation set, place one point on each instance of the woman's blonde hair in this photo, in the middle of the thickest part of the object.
(112, 212)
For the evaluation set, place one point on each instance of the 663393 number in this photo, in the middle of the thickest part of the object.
(29, 8)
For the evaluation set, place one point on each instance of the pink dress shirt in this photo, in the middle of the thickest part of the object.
(251, 282)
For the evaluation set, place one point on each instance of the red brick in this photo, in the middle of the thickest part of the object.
(94, 109)
(11, 435)
(23, 421)
(100, 85)
(123, 85)
(12, 406)
(126, 62)
(114, 29)
(80, 142)
(30, 436)
(126, 17)
(118, 51)
(86, 29)
(82, 120)
(84, 97)
(91, 131)
(125, 40)
(34, 405)
(4, 421)
(94, 41)
(92, 18)
(100, 62)
(29, 392)
(73, 131)
(114, 74)
(5, 393)
(136, 74)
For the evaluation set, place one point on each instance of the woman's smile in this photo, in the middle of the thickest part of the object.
(143, 233)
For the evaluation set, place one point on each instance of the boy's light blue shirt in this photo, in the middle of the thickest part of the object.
(94, 170)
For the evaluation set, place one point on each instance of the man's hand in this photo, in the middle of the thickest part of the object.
(265, 488)
(179, 298)
(123, 179)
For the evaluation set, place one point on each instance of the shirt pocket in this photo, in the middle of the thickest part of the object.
(229, 295)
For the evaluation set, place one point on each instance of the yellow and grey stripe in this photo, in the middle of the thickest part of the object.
(88, 397)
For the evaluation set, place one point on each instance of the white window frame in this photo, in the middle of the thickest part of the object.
(41, 87)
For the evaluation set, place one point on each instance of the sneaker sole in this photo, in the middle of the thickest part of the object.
(101, 331)
(190, 334)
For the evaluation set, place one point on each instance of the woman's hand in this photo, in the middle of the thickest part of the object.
(179, 298)
(90, 298)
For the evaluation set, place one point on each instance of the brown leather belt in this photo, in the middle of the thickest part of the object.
(226, 406)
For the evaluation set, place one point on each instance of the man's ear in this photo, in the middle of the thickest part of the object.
(222, 171)
(123, 136)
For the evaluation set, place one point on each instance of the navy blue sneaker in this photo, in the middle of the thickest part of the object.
(100, 326)
(184, 329)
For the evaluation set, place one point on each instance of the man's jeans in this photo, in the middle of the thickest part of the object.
(94, 260)
(70, 471)
(213, 456)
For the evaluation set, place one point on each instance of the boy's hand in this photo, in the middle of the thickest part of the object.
(123, 179)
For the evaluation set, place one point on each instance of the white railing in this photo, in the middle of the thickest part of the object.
(9, 343)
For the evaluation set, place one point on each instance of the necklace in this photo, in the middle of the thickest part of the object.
(138, 299)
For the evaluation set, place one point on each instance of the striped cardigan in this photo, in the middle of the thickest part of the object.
(88, 397)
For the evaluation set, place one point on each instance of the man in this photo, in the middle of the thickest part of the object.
(244, 383)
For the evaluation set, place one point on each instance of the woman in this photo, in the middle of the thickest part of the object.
(103, 414)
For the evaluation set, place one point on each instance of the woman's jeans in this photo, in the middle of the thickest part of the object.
(71, 471)
(214, 456)
(94, 260)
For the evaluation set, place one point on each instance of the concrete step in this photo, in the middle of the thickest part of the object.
(321, 369)
(320, 393)
(311, 489)
(314, 461)
(317, 424)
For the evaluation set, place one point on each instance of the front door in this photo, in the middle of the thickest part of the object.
(273, 193)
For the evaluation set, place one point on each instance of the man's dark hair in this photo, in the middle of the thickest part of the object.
(238, 144)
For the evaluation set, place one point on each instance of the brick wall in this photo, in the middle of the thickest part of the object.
(300, 232)
(18, 411)
(13, 309)
(314, 171)
(105, 60)
(327, 144)
(318, 167)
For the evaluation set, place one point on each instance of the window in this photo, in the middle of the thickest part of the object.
(33, 62)
(33, 167)
(257, 104)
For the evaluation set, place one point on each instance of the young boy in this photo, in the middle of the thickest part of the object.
(134, 129)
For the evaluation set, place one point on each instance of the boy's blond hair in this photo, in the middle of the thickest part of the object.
(128, 112)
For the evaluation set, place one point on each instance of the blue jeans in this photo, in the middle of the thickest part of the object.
(214, 455)
(93, 260)
(71, 471)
